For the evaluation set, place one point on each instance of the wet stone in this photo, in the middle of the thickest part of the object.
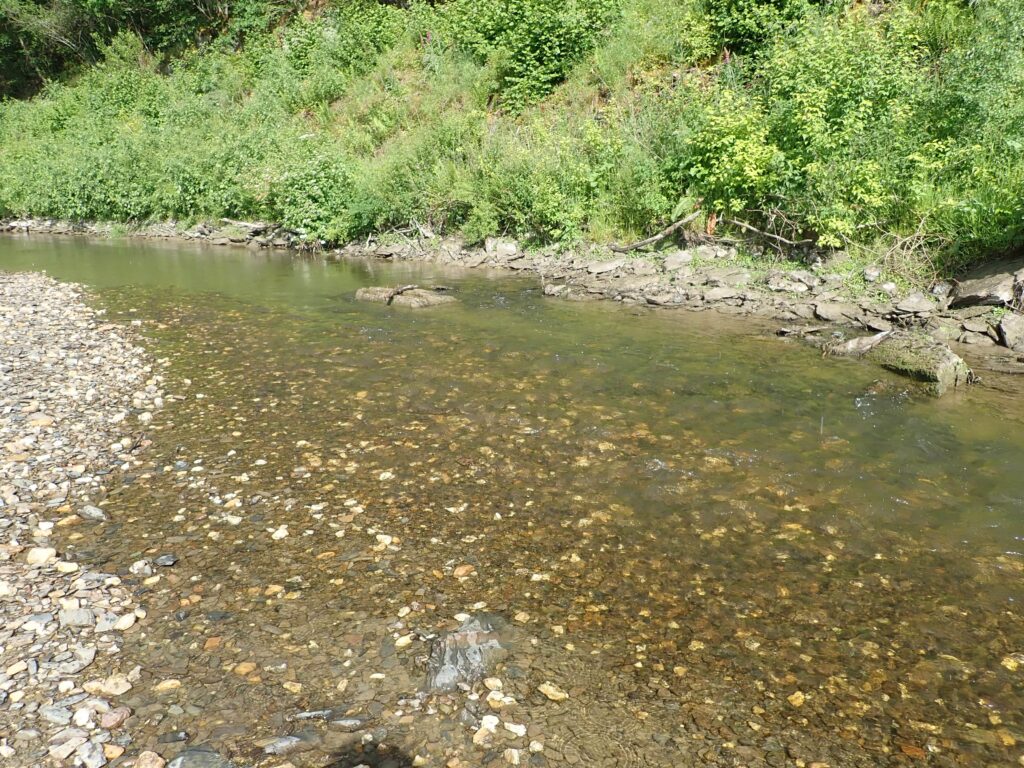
(200, 757)
(467, 654)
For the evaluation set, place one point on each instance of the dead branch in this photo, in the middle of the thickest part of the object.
(667, 232)
(779, 238)
(399, 292)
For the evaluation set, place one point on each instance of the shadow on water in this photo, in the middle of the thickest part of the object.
(370, 756)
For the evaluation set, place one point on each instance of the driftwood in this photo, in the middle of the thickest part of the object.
(856, 347)
(667, 232)
(399, 291)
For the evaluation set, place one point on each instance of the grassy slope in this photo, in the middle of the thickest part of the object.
(897, 134)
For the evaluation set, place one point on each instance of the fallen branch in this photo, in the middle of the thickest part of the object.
(255, 227)
(667, 232)
(746, 227)
(399, 291)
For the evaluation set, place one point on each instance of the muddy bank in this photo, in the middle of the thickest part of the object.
(76, 396)
(978, 318)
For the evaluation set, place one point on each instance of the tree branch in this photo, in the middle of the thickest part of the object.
(746, 227)
(667, 232)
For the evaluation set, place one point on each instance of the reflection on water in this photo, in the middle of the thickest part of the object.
(725, 551)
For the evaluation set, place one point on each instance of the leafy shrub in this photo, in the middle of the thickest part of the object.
(743, 25)
(724, 153)
(839, 95)
(532, 43)
(312, 195)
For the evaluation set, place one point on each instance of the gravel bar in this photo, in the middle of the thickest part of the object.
(76, 395)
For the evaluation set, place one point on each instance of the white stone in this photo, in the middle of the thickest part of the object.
(40, 555)
(517, 728)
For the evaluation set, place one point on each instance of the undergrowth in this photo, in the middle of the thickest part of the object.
(894, 131)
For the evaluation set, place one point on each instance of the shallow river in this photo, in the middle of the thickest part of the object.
(726, 551)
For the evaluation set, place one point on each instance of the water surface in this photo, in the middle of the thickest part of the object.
(727, 551)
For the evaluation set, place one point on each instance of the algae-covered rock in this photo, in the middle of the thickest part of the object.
(923, 358)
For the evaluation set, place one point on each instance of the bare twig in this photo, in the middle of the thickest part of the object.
(667, 232)
(778, 238)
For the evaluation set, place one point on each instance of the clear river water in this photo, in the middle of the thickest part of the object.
(723, 549)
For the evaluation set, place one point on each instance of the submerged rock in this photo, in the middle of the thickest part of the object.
(911, 353)
(200, 757)
(467, 654)
(287, 745)
(413, 297)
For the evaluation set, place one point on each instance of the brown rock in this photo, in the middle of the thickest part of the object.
(114, 718)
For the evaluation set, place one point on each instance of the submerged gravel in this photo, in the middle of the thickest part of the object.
(76, 394)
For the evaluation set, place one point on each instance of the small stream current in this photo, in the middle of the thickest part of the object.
(723, 550)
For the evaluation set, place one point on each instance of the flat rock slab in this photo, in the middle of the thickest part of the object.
(995, 284)
(604, 267)
(836, 312)
(1011, 331)
(414, 298)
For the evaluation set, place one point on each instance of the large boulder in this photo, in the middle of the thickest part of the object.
(923, 358)
(998, 283)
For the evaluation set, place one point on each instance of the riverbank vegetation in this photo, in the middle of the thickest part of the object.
(893, 128)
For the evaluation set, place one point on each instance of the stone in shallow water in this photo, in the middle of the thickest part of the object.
(89, 512)
(921, 357)
(287, 745)
(467, 654)
(416, 298)
(349, 724)
(200, 757)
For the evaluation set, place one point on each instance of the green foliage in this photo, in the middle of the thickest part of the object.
(840, 98)
(724, 154)
(896, 129)
(532, 44)
(743, 25)
(41, 39)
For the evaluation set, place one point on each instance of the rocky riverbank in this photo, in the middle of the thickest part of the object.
(76, 396)
(979, 316)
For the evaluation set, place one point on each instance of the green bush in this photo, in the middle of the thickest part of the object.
(532, 44)
(724, 154)
(743, 25)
